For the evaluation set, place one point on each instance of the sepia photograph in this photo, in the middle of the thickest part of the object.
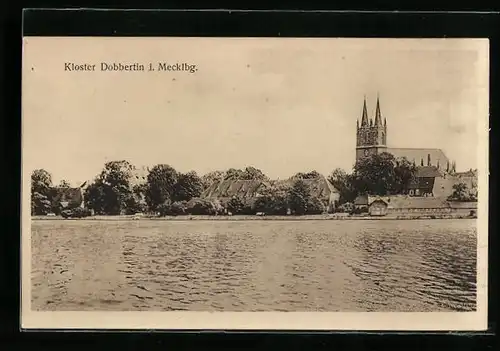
(255, 183)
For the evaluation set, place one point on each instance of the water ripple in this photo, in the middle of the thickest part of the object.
(255, 265)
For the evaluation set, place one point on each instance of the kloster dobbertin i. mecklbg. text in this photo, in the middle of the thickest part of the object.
(130, 67)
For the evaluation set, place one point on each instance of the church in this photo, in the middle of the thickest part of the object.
(435, 172)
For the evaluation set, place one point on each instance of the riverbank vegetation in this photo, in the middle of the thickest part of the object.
(168, 192)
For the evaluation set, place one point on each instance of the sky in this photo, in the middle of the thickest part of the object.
(281, 105)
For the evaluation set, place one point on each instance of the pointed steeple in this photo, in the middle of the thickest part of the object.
(378, 116)
(364, 118)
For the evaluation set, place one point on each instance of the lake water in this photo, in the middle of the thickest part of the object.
(367, 265)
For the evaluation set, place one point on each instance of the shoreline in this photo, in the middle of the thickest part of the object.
(252, 218)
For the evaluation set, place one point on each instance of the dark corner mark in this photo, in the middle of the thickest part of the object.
(229, 23)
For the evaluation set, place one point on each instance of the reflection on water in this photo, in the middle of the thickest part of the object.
(254, 265)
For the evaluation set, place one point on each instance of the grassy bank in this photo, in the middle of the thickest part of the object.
(259, 218)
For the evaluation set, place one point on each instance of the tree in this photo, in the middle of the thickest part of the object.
(299, 197)
(375, 175)
(346, 207)
(111, 191)
(133, 206)
(64, 184)
(404, 174)
(94, 197)
(233, 174)
(344, 184)
(188, 186)
(115, 179)
(135, 201)
(117, 173)
(139, 191)
(208, 179)
(271, 205)
(252, 173)
(178, 208)
(161, 184)
(201, 207)
(309, 175)
(379, 174)
(274, 199)
(315, 206)
(40, 204)
(115, 199)
(473, 192)
(461, 192)
(235, 205)
(41, 184)
(164, 208)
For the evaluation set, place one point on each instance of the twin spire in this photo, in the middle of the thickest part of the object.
(378, 115)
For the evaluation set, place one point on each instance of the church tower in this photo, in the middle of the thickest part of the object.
(371, 135)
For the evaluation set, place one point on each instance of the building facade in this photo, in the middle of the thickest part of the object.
(250, 190)
(371, 139)
(371, 135)
(436, 174)
(403, 205)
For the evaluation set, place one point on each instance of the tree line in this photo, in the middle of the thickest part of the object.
(381, 174)
(167, 191)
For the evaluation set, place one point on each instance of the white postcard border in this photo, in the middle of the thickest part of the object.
(442, 321)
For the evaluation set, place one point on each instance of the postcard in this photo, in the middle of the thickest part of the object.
(254, 183)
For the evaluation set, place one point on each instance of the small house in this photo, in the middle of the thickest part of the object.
(418, 205)
(378, 207)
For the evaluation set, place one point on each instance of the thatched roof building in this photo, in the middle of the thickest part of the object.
(224, 190)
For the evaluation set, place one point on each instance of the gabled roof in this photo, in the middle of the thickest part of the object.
(66, 196)
(428, 172)
(230, 188)
(320, 187)
(416, 155)
(375, 198)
